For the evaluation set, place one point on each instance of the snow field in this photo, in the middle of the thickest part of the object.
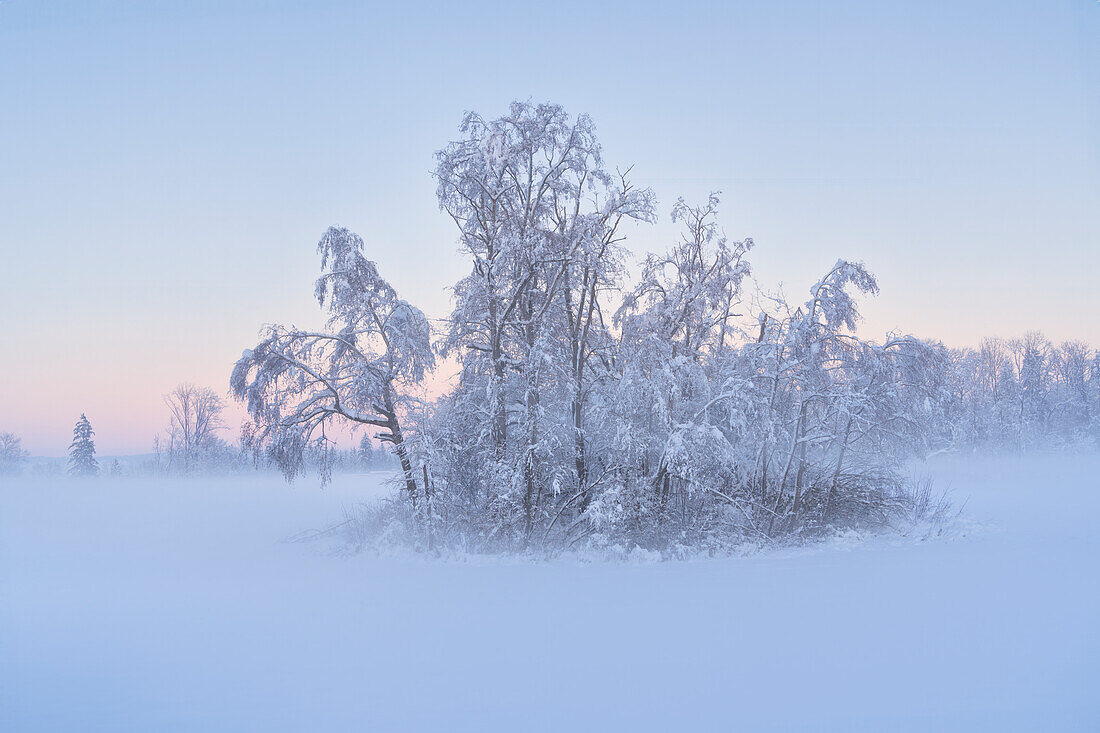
(177, 606)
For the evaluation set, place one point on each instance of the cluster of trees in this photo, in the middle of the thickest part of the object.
(12, 454)
(1022, 394)
(663, 410)
(194, 444)
(194, 422)
(193, 447)
(81, 463)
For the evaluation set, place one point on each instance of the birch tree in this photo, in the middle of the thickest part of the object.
(539, 217)
(360, 371)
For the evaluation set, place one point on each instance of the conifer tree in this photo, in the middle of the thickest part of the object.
(82, 460)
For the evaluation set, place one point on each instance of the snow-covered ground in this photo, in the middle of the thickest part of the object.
(175, 606)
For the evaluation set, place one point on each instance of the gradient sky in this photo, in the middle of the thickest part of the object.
(166, 168)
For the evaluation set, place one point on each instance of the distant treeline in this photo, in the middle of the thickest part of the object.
(189, 451)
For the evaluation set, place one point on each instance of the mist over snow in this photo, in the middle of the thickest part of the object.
(139, 605)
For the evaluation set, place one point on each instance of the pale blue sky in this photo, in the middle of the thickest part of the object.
(167, 167)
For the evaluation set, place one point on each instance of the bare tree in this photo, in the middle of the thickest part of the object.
(194, 421)
(12, 455)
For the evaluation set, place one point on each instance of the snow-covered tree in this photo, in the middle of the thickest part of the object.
(675, 323)
(12, 455)
(1024, 393)
(371, 457)
(539, 217)
(82, 461)
(360, 371)
(687, 296)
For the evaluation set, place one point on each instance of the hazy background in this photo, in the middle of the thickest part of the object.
(166, 168)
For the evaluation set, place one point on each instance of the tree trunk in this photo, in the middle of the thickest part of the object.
(398, 441)
(499, 427)
(496, 397)
(428, 508)
(532, 424)
(836, 474)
